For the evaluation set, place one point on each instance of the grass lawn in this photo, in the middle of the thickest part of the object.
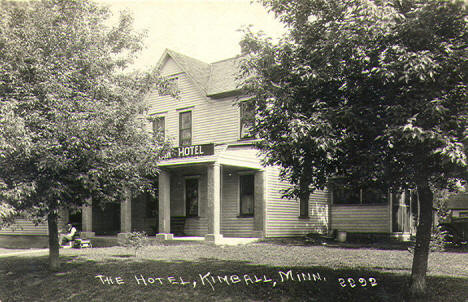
(268, 271)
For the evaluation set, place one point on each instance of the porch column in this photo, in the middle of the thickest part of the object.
(164, 183)
(214, 203)
(259, 204)
(126, 215)
(87, 220)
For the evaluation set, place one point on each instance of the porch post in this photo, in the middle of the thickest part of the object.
(259, 191)
(126, 215)
(164, 183)
(214, 203)
(87, 220)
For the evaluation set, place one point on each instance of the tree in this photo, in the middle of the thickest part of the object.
(372, 91)
(69, 130)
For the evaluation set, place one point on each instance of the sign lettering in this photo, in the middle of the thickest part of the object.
(191, 151)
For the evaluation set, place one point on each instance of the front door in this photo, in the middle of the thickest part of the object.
(191, 197)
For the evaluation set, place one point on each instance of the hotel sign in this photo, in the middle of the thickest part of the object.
(191, 151)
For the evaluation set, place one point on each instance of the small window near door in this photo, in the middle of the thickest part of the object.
(246, 195)
(191, 197)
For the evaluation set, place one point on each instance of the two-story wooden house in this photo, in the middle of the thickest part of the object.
(213, 184)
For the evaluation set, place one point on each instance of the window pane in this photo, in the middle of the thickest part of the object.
(247, 118)
(374, 195)
(169, 87)
(342, 195)
(185, 128)
(159, 126)
(186, 122)
(191, 197)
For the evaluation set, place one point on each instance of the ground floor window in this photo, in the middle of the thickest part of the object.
(345, 194)
(246, 195)
(191, 197)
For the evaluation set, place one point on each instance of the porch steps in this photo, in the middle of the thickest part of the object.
(178, 225)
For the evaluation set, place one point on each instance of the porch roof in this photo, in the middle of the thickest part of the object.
(235, 155)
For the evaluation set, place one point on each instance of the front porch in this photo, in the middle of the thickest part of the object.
(211, 201)
(215, 197)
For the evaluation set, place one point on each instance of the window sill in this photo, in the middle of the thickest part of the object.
(304, 217)
(246, 216)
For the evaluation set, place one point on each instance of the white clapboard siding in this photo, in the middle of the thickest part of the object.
(213, 120)
(360, 218)
(282, 214)
(25, 227)
(170, 67)
(231, 224)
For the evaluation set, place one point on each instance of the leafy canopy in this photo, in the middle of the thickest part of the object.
(68, 108)
(375, 91)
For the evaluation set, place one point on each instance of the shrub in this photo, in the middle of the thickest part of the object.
(135, 241)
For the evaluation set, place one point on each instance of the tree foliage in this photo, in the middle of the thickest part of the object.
(374, 91)
(69, 127)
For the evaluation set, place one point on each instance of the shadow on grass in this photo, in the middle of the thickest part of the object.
(377, 244)
(27, 279)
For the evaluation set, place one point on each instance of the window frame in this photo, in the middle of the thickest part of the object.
(171, 88)
(252, 213)
(162, 130)
(361, 192)
(184, 129)
(243, 119)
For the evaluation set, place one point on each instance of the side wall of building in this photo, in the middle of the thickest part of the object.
(282, 214)
(361, 218)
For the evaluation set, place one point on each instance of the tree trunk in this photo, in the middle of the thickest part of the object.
(54, 263)
(423, 238)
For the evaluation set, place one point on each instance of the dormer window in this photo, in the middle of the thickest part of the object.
(247, 119)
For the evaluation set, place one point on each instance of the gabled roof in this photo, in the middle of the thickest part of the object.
(223, 76)
(213, 79)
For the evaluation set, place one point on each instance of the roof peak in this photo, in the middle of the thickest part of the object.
(215, 78)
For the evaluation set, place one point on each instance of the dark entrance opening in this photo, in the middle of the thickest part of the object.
(106, 220)
(74, 218)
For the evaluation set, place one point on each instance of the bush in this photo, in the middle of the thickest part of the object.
(135, 241)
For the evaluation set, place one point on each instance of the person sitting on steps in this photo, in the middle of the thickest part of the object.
(69, 236)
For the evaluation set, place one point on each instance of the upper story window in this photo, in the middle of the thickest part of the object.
(185, 128)
(247, 119)
(159, 126)
(169, 86)
(343, 194)
(246, 194)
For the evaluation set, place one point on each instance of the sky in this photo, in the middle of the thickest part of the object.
(204, 29)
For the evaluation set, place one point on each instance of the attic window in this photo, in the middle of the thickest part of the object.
(169, 86)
